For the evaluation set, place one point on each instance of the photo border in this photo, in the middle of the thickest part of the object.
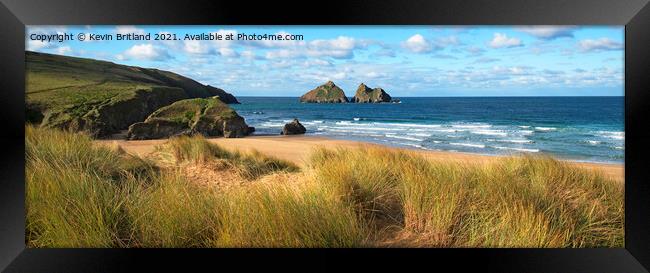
(635, 15)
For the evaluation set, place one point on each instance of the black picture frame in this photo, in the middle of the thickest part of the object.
(635, 15)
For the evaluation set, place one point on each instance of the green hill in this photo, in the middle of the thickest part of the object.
(101, 97)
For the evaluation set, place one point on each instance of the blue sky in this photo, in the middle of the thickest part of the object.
(404, 60)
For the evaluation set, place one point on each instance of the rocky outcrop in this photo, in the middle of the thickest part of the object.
(293, 128)
(208, 117)
(326, 93)
(366, 94)
(109, 116)
(101, 97)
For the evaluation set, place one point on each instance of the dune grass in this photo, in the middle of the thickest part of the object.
(198, 150)
(524, 201)
(84, 195)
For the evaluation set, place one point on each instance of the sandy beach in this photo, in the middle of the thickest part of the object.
(298, 148)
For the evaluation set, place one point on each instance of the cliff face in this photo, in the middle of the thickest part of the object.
(101, 97)
(205, 116)
(366, 94)
(326, 93)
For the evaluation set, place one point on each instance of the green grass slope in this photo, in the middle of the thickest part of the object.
(101, 97)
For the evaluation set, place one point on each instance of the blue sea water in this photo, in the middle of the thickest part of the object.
(573, 128)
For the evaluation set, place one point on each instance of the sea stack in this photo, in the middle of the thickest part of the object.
(366, 94)
(326, 93)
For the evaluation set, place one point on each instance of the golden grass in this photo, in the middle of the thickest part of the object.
(80, 195)
(524, 201)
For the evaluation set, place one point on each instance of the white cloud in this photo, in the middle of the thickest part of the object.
(248, 54)
(447, 41)
(417, 44)
(599, 45)
(282, 53)
(228, 52)
(549, 32)
(128, 30)
(145, 52)
(374, 75)
(316, 62)
(196, 47)
(63, 50)
(501, 40)
(474, 50)
(341, 48)
(35, 45)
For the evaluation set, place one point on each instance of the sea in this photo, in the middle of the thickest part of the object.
(588, 129)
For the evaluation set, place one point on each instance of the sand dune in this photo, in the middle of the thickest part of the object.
(298, 148)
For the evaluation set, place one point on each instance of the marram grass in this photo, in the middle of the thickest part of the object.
(84, 195)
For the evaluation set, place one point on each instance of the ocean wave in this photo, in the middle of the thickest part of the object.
(489, 132)
(446, 131)
(524, 126)
(408, 125)
(270, 124)
(593, 142)
(403, 137)
(419, 134)
(518, 141)
(410, 144)
(356, 119)
(350, 128)
(467, 145)
(618, 135)
(516, 149)
(471, 126)
(545, 129)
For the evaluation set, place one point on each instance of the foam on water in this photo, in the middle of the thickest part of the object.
(468, 145)
(559, 126)
(517, 149)
(545, 129)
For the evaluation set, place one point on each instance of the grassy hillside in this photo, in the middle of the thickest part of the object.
(99, 96)
(191, 193)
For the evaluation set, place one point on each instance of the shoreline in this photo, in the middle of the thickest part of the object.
(297, 149)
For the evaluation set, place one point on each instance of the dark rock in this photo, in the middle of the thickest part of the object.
(208, 117)
(293, 128)
(326, 93)
(366, 94)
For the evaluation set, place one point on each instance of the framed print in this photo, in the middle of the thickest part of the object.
(171, 134)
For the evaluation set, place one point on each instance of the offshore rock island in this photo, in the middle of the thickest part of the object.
(330, 93)
(326, 93)
(366, 94)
